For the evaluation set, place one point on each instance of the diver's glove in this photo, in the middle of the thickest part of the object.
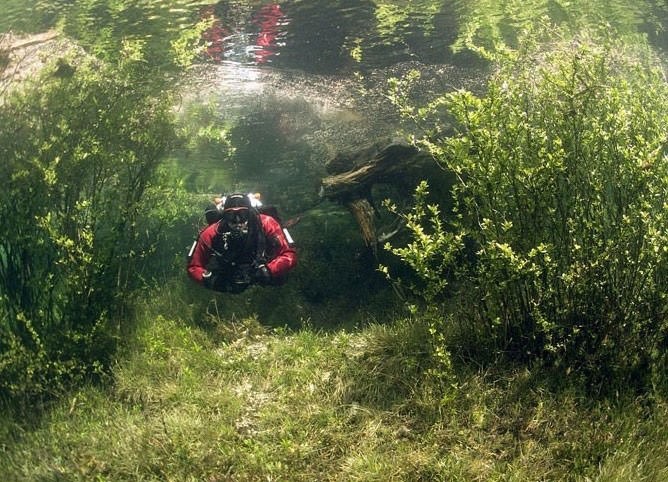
(208, 279)
(262, 276)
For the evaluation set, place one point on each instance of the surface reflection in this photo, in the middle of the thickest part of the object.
(327, 36)
(244, 35)
(271, 36)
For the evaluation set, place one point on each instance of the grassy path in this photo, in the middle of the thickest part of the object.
(244, 404)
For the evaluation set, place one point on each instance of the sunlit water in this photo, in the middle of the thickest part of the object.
(329, 36)
(311, 75)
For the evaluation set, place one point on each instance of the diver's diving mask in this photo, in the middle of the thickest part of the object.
(237, 219)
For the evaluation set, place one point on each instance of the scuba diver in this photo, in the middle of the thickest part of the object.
(240, 247)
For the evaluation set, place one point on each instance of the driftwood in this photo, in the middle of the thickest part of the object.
(388, 163)
(23, 57)
(352, 177)
(25, 42)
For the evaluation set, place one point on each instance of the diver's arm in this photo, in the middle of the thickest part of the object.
(285, 255)
(201, 254)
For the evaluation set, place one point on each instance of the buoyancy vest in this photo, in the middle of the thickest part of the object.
(251, 250)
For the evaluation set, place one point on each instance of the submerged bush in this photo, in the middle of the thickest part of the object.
(562, 188)
(78, 153)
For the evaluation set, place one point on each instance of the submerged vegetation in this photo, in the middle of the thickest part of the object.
(239, 402)
(525, 337)
(79, 154)
(556, 245)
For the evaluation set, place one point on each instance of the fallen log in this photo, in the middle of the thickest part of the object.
(376, 164)
(16, 43)
(352, 177)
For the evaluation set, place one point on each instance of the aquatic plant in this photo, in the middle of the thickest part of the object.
(562, 193)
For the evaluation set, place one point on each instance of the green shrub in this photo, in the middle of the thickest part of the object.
(78, 153)
(562, 188)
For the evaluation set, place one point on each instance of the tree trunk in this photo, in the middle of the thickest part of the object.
(355, 174)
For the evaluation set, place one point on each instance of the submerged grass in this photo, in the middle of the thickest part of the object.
(241, 402)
